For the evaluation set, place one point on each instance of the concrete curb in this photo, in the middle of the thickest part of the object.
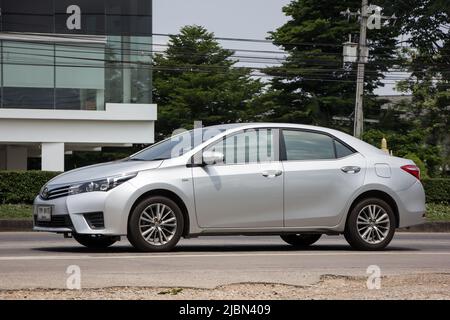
(27, 225)
(16, 225)
(438, 226)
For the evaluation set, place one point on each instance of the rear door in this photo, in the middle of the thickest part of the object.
(321, 174)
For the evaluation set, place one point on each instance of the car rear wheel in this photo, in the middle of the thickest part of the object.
(370, 225)
(95, 241)
(301, 240)
(155, 225)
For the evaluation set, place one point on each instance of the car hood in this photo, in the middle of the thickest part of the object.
(103, 170)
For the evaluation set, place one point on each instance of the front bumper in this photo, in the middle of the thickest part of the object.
(57, 224)
(97, 213)
(54, 230)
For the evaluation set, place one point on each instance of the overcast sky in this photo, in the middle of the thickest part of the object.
(226, 18)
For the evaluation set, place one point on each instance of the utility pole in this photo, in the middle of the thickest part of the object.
(359, 113)
(359, 53)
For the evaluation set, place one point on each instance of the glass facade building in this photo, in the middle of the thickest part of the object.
(75, 54)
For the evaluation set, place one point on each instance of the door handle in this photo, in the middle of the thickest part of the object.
(272, 173)
(351, 169)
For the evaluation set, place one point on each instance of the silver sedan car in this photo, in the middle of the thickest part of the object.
(295, 181)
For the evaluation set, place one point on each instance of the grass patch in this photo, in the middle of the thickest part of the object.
(438, 212)
(16, 211)
(435, 211)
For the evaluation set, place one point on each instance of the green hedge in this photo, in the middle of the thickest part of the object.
(22, 186)
(437, 190)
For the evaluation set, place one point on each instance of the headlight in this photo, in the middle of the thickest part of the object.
(103, 185)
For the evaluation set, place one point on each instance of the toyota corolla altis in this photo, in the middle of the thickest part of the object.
(295, 181)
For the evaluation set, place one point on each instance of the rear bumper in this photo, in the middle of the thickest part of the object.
(411, 206)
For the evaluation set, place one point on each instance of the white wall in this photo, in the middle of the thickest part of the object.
(77, 132)
(118, 124)
(53, 156)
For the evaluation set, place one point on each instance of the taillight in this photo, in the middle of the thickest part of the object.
(412, 169)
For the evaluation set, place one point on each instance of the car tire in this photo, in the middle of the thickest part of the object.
(164, 216)
(301, 240)
(94, 241)
(365, 231)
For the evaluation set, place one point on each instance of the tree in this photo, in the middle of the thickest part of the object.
(312, 86)
(411, 145)
(195, 79)
(427, 26)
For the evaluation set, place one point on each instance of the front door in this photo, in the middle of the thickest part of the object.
(246, 189)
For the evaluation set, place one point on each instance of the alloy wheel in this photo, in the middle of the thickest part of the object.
(373, 223)
(158, 224)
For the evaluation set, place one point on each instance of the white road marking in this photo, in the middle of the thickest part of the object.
(109, 257)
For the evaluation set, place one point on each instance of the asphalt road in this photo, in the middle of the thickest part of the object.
(38, 260)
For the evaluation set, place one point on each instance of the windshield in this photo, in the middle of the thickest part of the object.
(177, 145)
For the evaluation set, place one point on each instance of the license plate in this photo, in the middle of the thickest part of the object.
(44, 213)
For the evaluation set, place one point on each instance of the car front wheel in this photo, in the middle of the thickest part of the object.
(155, 225)
(301, 240)
(370, 225)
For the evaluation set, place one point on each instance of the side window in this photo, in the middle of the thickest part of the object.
(341, 150)
(249, 146)
(302, 145)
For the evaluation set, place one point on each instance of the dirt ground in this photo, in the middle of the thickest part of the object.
(422, 286)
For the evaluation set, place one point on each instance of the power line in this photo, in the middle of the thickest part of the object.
(187, 54)
(249, 59)
(61, 57)
(219, 70)
(310, 44)
(276, 70)
(277, 60)
(139, 53)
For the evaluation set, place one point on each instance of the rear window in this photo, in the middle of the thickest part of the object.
(341, 150)
(302, 145)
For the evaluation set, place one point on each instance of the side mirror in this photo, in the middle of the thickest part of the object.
(212, 157)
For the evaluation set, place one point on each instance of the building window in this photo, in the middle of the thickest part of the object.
(104, 57)
(129, 18)
(128, 69)
(80, 77)
(28, 98)
(27, 16)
